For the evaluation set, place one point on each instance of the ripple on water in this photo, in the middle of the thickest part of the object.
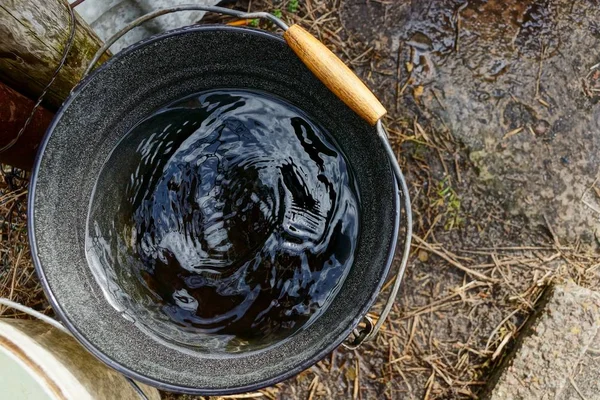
(231, 223)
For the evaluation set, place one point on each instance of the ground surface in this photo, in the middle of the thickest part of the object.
(553, 358)
(483, 250)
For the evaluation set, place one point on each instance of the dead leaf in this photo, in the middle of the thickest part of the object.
(350, 374)
(418, 91)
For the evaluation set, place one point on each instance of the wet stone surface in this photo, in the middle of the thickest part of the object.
(517, 83)
(555, 351)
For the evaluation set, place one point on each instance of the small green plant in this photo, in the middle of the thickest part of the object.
(277, 13)
(293, 6)
(449, 203)
(254, 22)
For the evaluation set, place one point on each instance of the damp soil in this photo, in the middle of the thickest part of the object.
(515, 83)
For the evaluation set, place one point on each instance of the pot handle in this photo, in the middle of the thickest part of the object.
(334, 74)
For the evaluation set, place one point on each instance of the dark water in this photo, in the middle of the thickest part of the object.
(225, 221)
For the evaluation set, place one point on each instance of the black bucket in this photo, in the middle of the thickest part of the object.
(105, 107)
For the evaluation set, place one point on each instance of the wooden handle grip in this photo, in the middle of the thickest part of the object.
(334, 74)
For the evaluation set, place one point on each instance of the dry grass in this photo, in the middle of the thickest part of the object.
(18, 281)
(475, 275)
(457, 363)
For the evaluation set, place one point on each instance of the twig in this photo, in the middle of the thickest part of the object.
(497, 328)
(457, 20)
(435, 306)
(437, 370)
(512, 133)
(14, 276)
(501, 346)
(539, 75)
(356, 380)
(244, 396)
(313, 387)
(554, 237)
(412, 333)
(454, 263)
(410, 390)
(576, 388)
(429, 385)
(398, 68)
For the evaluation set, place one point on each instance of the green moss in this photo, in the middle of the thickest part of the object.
(448, 204)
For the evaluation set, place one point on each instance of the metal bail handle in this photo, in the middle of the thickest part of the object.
(344, 84)
(370, 331)
(319, 59)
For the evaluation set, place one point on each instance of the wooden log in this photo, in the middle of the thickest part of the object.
(14, 111)
(33, 35)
